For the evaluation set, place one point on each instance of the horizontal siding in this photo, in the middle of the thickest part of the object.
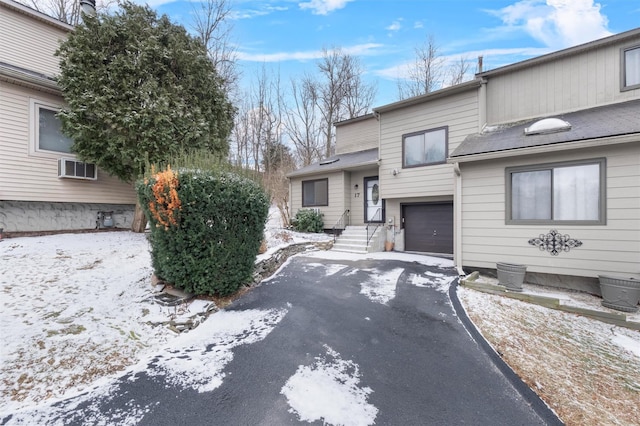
(29, 43)
(458, 112)
(355, 203)
(610, 248)
(581, 81)
(28, 177)
(357, 136)
(336, 207)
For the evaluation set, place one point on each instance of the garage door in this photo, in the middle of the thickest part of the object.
(428, 227)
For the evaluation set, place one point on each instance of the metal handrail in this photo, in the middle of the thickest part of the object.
(377, 225)
(341, 223)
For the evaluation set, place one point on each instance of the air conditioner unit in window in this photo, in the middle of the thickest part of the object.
(70, 168)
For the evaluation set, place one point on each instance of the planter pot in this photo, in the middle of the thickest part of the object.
(511, 275)
(620, 293)
(388, 246)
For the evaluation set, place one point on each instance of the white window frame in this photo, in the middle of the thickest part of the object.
(34, 125)
(602, 205)
(623, 68)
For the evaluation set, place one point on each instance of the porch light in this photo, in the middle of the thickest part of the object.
(355, 186)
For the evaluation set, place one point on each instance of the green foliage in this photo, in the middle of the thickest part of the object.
(308, 220)
(212, 246)
(139, 88)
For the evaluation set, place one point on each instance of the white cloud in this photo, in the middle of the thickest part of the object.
(366, 49)
(418, 25)
(557, 23)
(252, 13)
(395, 25)
(323, 7)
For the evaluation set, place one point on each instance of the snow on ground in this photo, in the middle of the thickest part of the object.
(328, 391)
(73, 303)
(76, 313)
(210, 345)
(381, 286)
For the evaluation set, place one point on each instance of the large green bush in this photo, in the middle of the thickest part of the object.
(307, 220)
(206, 228)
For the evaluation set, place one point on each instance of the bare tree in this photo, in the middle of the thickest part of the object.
(425, 74)
(302, 121)
(212, 26)
(359, 96)
(457, 71)
(67, 11)
(340, 93)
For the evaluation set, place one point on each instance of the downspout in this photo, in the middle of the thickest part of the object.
(457, 219)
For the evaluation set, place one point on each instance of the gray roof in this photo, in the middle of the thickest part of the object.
(351, 160)
(600, 122)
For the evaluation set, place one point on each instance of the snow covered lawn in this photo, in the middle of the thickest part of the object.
(586, 370)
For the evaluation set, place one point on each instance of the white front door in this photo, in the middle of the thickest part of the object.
(373, 202)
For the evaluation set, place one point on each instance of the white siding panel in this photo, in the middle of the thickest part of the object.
(610, 248)
(26, 177)
(576, 82)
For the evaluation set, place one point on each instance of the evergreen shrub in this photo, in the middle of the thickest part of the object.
(308, 220)
(206, 227)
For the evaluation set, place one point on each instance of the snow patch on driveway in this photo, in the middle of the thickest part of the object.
(440, 282)
(211, 345)
(331, 269)
(381, 286)
(329, 391)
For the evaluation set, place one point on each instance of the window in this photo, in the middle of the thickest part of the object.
(557, 193)
(315, 193)
(48, 130)
(424, 148)
(630, 68)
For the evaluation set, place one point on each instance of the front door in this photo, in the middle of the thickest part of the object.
(372, 201)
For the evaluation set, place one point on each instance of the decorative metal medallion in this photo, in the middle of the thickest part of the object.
(555, 242)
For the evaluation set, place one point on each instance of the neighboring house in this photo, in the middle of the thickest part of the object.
(455, 172)
(42, 186)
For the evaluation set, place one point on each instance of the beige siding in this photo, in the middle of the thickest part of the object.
(357, 136)
(29, 43)
(459, 112)
(29, 176)
(610, 248)
(356, 196)
(576, 82)
(332, 212)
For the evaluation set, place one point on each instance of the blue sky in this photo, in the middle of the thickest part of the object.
(287, 36)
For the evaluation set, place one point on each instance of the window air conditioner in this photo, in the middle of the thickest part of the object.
(70, 168)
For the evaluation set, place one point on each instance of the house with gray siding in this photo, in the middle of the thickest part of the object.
(552, 181)
(500, 168)
(43, 187)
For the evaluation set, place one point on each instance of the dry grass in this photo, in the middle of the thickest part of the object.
(570, 361)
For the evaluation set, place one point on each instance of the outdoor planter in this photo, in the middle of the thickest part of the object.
(620, 293)
(511, 275)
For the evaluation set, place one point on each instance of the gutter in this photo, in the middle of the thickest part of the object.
(28, 79)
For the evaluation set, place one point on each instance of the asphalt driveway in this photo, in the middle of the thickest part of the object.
(387, 328)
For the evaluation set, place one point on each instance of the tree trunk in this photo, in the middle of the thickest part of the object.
(139, 220)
